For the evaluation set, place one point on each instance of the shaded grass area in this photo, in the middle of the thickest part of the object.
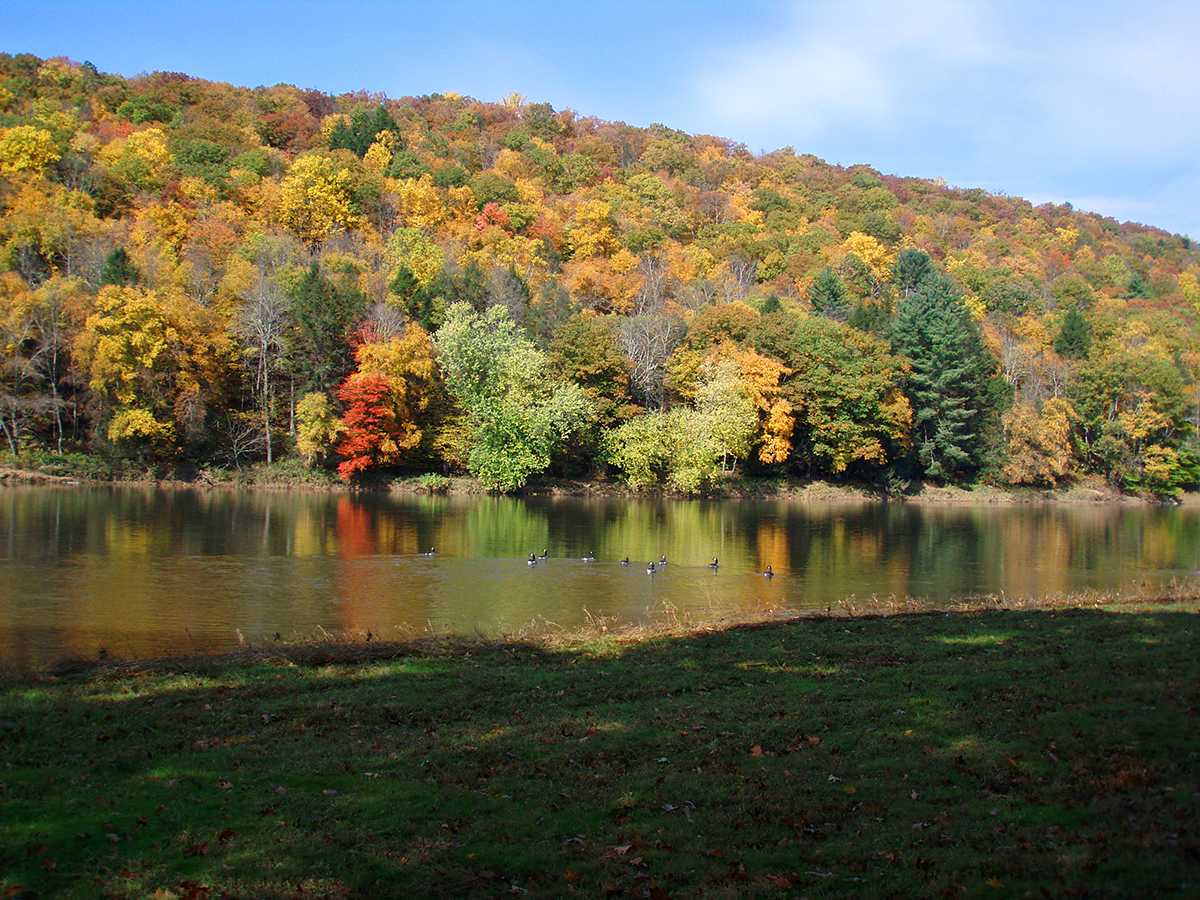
(968, 754)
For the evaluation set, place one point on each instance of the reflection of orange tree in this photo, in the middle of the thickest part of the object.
(364, 531)
(358, 538)
(355, 530)
(774, 549)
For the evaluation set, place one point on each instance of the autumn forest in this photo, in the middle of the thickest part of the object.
(197, 277)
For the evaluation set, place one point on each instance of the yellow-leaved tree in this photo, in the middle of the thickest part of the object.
(156, 362)
(314, 200)
(25, 148)
(863, 262)
(1039, 442)
(141, 160)
(593, 231)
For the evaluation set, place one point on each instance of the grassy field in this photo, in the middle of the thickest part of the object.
(1047, 752)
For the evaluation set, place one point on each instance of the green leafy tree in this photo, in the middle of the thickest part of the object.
(688, 447)
(664, 447)
(646, 448)
(585, 351)
(845, 388)
(725, 419)
(1132, 409)
(360, 131)
(415, 299)
(514, 414)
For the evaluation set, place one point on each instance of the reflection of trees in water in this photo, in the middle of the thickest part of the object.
(113, 566)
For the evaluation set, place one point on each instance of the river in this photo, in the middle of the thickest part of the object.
(141, 571)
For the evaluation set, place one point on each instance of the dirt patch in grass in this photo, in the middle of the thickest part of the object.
(972, 752)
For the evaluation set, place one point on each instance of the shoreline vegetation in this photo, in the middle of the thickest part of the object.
(995, 747)
(296, 477)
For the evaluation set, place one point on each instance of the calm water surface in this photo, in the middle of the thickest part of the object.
(147, 571)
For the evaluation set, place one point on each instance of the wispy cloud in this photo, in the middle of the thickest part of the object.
(1058, 99)
(833, 65)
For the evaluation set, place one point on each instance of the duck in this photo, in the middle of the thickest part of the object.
(650, 568)
(662, 560)
(430, 552)
(543, 554)
(625, 561)
(589, 558)
(769, 573)
(714, 564)
(532, 561)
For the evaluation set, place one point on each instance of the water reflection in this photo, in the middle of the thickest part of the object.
(141, 570)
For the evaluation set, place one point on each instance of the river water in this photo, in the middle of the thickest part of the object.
(146, 571)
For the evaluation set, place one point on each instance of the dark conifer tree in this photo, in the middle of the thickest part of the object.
(828, 295)
(1074, 340)
(325, 315)
(119, 269)
(954, 386)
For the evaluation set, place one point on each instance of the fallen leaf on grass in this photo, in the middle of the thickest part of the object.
(192, 891)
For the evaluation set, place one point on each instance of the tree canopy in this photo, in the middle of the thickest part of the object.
(194, 273)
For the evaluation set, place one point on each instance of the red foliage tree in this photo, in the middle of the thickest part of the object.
(493, 215)
(374, 433)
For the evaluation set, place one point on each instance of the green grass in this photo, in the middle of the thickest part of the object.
(977, 753)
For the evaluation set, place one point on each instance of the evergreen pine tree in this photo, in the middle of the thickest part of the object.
(828, 295)
(119, 269)
(325, 315)
(912, 267)
(955, 391)
(1074, 340)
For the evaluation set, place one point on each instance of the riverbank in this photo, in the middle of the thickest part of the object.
(292, 475)
(967, 752)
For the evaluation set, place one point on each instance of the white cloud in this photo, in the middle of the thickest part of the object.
(1066, 98)
(854, 64)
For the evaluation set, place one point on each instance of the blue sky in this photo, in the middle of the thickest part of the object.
(1095, 103)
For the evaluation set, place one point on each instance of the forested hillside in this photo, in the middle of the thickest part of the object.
(195, 275)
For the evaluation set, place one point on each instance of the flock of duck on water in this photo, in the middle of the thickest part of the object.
(651, 567)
